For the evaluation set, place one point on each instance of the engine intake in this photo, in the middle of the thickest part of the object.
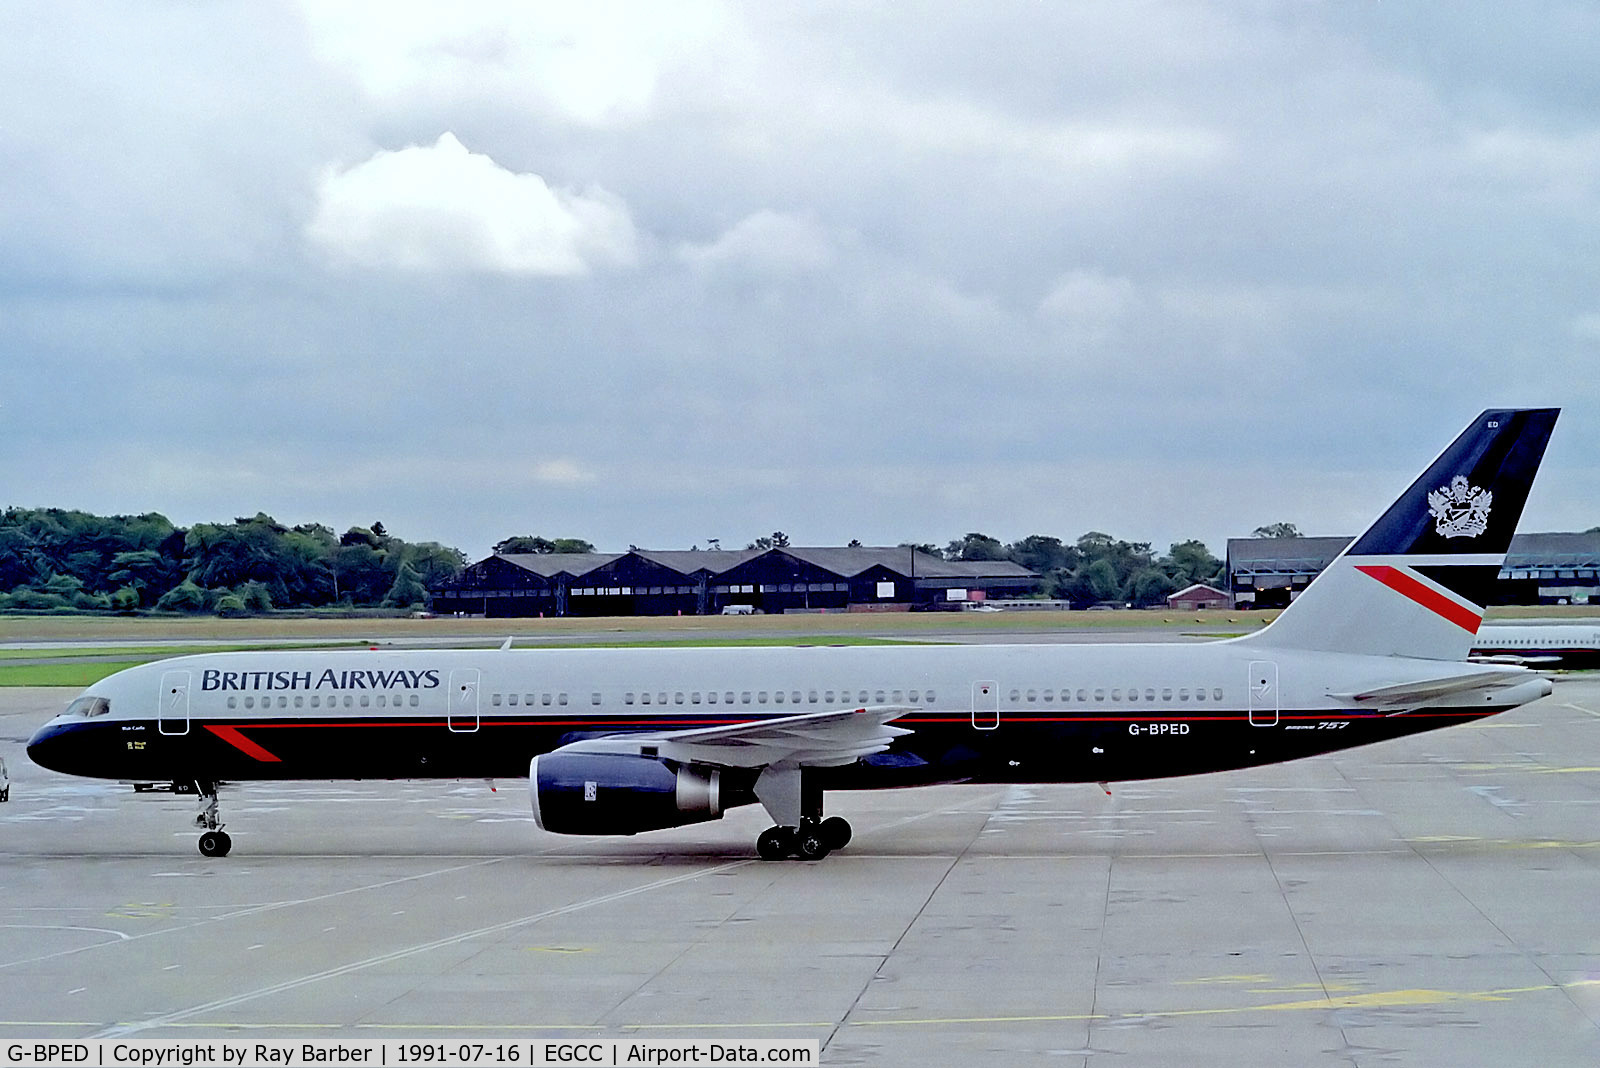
(618, 793)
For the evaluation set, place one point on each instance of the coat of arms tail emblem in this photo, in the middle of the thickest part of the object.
(1460, 510)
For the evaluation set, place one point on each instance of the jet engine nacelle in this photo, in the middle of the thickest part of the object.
(619, 793)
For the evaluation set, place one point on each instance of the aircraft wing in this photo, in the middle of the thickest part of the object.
(1425, 690)
(813, 739)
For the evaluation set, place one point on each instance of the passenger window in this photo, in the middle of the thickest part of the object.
(1049, 695)
(300, 701)
(544, 699)
(1183, 695)
(929, 697)
(727, 698)
(812, 696)
(627, 698)
(348, 701)
(1216, 694)
(915, 697)
(744, 697)
(828, 696)
(233, 702)
(316, 702)
(511, 699)
(677, 698)
(1014, 696)
(661, 698)
(1149, 695)
(1116, 695)
(383, 701)
(761, 697)
(778, 697)
(794, 697)
(1199, 695)
(1133, 695)
(863, 697)
(495, 700)
(413, 700)
(561, 699)
(694, 698)
(711, 697)
(644, 699)
(527, 699)
(1166, 695)
(249, 702)
(364, 701)
(594, 698)
(1033, 697)
(1083, 695)
(898, 697)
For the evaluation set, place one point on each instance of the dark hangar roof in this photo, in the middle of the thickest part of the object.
(1528, 552)
(847, 562)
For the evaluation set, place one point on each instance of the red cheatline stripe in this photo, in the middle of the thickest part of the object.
(1431, 599)
(232, 736)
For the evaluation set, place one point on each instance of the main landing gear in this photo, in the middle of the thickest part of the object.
(812, 840)
(795, 805)
(214, 841)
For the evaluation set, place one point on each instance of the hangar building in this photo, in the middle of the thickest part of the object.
(1552, 568)
(644, 582)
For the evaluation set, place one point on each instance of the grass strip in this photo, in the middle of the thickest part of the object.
(60, 674)
(153, 652)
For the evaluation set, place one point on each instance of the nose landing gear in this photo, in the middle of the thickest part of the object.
(214, 841)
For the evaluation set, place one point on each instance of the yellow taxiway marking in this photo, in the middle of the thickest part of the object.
(1382, 999)
(1505, 843)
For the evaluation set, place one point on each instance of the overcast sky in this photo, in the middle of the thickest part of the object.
(661, 273)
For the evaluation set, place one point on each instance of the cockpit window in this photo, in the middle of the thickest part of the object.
(89, 706)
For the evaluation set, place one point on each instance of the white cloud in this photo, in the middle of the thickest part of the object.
(443, 208)
(595, 63)
(768, 242)
(1586, 327)
(1089, 305)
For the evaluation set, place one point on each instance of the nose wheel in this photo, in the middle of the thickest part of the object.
(215, 844)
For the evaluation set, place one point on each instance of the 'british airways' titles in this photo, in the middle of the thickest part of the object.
(329, 679)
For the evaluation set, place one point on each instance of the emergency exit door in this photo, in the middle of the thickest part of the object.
(1263, 693)
(986, 705)
(464, 700)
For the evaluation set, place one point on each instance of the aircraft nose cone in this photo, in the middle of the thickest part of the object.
(47, 748)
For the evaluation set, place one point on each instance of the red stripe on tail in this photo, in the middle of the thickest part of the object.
(1431, 599)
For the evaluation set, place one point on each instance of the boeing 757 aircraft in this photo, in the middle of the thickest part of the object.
(618, 741)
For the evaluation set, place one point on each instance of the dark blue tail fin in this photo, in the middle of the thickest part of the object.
(1414, 583)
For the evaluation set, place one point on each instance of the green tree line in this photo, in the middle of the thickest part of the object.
(1097, 567)
(53, 559)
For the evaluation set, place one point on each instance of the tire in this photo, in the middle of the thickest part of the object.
(214, 844)
(813, 845)
(836, 832)
(775, 843)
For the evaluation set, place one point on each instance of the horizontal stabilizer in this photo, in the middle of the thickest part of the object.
(1425, 690)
